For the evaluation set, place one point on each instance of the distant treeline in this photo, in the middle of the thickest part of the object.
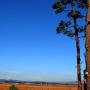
(38, 82)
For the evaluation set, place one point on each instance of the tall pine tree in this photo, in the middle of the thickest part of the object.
(71, 27)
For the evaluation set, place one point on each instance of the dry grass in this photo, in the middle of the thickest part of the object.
(5, 86)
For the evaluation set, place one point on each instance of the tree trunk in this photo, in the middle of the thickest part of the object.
(88, 48)
(78, 57)
(77, 50)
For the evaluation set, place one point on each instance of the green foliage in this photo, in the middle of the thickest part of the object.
(13, 87)
(55, 5)
(76, 14)
(60, 9)
(64, 27)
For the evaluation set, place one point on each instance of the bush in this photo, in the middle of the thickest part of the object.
(13, 87)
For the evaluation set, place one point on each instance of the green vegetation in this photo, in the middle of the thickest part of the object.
(13, 87)
(70, 26)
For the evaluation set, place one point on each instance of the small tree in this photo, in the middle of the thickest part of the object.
(71, 26)
(13, 87)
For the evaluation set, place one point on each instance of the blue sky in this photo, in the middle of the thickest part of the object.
(30, 48)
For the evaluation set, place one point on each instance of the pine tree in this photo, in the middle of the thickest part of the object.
(71, 27)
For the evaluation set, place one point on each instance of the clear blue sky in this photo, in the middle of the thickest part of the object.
(30, 48)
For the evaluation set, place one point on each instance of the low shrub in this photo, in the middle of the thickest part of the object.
(13, 87)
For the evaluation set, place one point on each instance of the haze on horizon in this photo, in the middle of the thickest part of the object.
(30, 48)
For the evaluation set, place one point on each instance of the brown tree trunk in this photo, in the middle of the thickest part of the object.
(88, 48)
(77, 50)
(78, 57)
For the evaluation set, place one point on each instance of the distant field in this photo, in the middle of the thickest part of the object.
(5, 86)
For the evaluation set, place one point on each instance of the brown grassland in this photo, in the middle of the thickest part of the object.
(5, 86)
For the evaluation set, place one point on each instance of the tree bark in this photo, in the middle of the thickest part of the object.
(77, 50)
(78, 57)
(88, 48)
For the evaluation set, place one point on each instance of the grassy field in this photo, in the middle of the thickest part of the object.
(5, 86)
